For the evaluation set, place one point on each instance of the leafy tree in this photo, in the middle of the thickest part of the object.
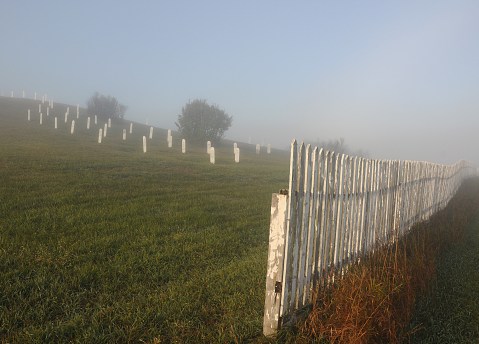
(201, 121)
(105, 106)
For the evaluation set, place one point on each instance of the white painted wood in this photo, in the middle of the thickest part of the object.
(105, 128)
(56, 123)
(151, 133)
(100, 135)
(183, 146)
(72, 129)
(131, 128)
(274, 275)
(124, 134)
(88, 123)
(258, 148)
(212, 155)
(144, 144)
(208, 147)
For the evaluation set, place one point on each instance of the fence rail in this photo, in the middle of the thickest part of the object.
(338, 208)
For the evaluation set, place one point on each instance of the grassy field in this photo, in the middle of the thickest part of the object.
(102, 243)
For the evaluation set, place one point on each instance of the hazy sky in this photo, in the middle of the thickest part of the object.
(399, 79)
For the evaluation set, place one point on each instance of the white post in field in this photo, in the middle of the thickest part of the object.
(170, 141)
(183, 146)
(88, 123)
(144, 144)
(35, 96)
(41, 118)
(96, 120)
(235, 145)
(151, 133)
(109, 122)
(39, 108)
(237, 154)
(268, 150)
(78, 111)
(169, 132)
(100, 135)
(66, 116)
(131, 128)
(72, 130)
(104, 130)
(23, 94)
(56, 123)
(212, 155)
(124, 134)
(29, 115)
(258, 148)
(48, 111)
(208, 147)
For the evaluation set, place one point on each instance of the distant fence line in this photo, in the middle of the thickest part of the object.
(338, 208)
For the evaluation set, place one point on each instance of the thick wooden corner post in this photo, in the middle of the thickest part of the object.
(274, 275)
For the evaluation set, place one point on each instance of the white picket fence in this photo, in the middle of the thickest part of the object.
(338, 208)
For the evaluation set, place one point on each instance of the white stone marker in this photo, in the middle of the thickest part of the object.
(56, 123)
(29, 115)
(235, 145)
(78, 111)
(96, 120)
(144, 144)
(151, 133)
(100, 135)
(170, 141)
(88, 123)
(258, 148)
(131, 128)
(68, 110)
(237, 154)
(169, 132)
(66, 116)
(72, 130)
(104, 130)
(268, 150)
(39, 108)
(41, 118)
(212, 155)
(208, 147)
(51, 104)
(183, 146)
(124, 134)
(109, 122)
(48, 111)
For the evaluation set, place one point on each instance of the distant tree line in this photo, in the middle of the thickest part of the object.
(105, 106)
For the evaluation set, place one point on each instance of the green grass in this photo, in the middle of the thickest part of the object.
(450, 313)
(102, 243)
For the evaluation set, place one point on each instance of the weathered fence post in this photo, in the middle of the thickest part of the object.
(274, 275)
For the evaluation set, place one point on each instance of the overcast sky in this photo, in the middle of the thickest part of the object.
(399, 79)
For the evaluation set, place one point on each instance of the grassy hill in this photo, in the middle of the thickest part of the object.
(103, 243)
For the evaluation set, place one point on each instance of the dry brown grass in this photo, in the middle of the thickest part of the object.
(374, 301)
